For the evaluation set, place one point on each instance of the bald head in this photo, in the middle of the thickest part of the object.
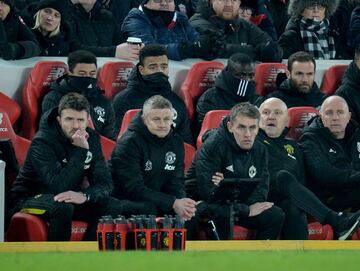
(335, 115)
(273, 117)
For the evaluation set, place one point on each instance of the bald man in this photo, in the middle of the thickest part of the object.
(286, 169)
(331, 145)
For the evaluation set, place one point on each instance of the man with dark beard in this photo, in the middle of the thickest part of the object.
(149, 78)
(299, 89)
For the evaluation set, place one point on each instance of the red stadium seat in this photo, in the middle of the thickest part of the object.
(265, 76)
(11, 107)
(200, 77)
(242, 233)
(189, 154)
(129, 115)
(298, 116)
(356, 235)
(20, 144)
(35, 88)
(107, 146)
(320, 232)
(26, 227)
(113, 77)
(332, 79)
(212, 120)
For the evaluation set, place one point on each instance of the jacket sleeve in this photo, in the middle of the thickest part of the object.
(136, 26)
(290, 43)
(176, 184)
(354, 31)
(109, 128)
(262, 189)
(344, 92)
(321, 170)
(184, 128)
(127, 176)
(49, 102)
(56, 177)
(100, 181)
(120, 108)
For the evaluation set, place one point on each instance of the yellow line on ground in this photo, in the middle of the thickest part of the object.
(190, 246)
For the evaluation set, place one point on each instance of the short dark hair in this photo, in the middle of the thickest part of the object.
(238, 59)
(156, 102)
(300, 56)
(74, 101)
(151, 50)
(244, 109)
(80, 56)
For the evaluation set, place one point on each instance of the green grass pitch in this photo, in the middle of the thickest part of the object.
(165, 261)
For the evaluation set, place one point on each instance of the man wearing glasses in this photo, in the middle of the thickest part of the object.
(157, 22)
(235, 84)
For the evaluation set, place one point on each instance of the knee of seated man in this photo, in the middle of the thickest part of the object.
(63, 209)
(285, 181)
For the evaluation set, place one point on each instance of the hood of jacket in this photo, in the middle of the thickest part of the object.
(137, 125)
(137, 82)
(66, 84)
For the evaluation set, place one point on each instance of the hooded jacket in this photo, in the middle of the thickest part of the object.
(350, 91)
(138, 91)
(101, 111)
(291, 41)
(54, 165)
(221, 153)
(153, 30)
(148, 168)
(240, 36)
(16, 39)
(293, 98)
(223, 96)
(284, 154)
(330, 163)
(97, 31)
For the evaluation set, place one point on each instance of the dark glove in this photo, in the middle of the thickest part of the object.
(269, 52)
(10, 51)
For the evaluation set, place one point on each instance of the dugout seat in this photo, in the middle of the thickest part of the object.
(113, 77)
(11, 107)
(129, 115)
(266, 75)
(107, 146)
(298, 117)
(320, 232)
(201, 76)
(35, 88)
(332, 78)
(212, 120)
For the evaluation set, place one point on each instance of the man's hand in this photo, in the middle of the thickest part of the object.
(185, 208)
(80, 138)
(259, 207)
(71, 197)
(217, 178)
(128, 51)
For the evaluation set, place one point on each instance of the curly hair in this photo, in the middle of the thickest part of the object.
(296, 7)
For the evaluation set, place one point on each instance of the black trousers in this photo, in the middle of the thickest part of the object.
(268, 224)
(59, 215)
(296, 200)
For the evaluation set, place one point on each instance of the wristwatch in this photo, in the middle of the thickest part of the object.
(87, 196)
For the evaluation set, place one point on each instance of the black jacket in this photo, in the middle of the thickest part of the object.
(240, 36)
(350, 91)
(223, 96)
(138, 91)
(16, 39)
(54, 165)
(291, 42)
(97, 31)
(293, 98)
(221, 153)
(101, 111)
(147, 168)
(59, 45)
(331, 164)
(284, 154)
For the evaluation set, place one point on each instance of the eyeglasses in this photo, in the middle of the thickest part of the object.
(246, 11)
(313, 7)
(160, 1)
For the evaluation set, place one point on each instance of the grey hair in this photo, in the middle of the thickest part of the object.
(156, 102)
